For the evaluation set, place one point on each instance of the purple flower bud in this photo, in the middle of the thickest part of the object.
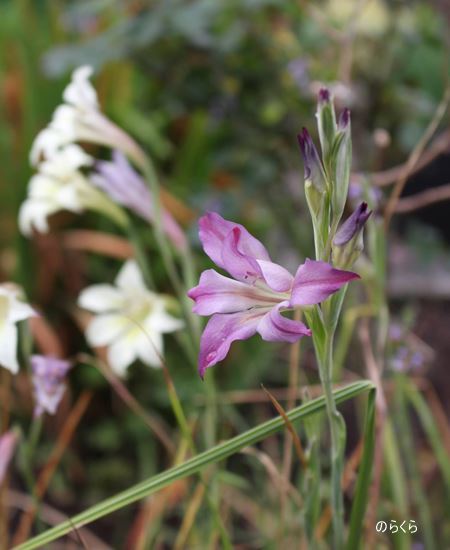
(324, 95)
(118, 179)
(352, 225)
(311, 159)
(344, 120)
(48, 382)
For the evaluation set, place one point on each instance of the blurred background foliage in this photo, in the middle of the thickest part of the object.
(216, 92)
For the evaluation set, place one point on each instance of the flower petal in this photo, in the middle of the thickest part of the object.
(105, 329)
(101, 298)
(218, 294)
(273, 327)
(80, 91)
(276, 276)
(120, 355)
(316, 280)
(8, 348)
(221, 331)
(214, 229)
(240, 265)
(20, 311)
(130, 277)
(160, 321)
(149, 348)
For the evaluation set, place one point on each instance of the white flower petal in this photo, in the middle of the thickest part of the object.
(161, 321)
(80, 91)
(149, 347)
(8, 347)
(101, 298)
(20, 311)
(43, 187)
(105, 329)
(130, 278)
(46, 143)
(65, 161)
(121, 355)
(34, 213)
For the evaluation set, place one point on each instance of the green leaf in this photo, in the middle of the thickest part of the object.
(192, 466)
(364, 477)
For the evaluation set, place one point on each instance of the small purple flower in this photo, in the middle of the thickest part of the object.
(48, 382)
(352, 225)
(396, 332)
(8, 442)
(124, 185)
(400, 361)
(252, 301)
(417, 361)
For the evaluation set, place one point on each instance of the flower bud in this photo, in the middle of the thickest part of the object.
(326, 120)
(315, 181)
(348, 241)
(341, 162)
(313, 165)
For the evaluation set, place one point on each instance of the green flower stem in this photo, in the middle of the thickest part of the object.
(186, 432)
(27, 457)
(167, 252)
(139, 253)
(192, 466)
(337, 432)
(410, 458)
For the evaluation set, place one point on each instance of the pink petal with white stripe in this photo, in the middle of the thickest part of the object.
(214, 229)
(274, 327)
(315, 281)
(221, 331)
(218, 294)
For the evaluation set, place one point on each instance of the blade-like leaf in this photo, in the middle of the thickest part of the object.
(364, 477)
(192, 466)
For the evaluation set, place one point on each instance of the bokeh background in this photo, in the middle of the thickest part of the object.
(216, 93)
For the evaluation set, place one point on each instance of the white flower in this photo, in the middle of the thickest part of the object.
(60, 185)
(12, 310)
(80, 119)
(131, 319)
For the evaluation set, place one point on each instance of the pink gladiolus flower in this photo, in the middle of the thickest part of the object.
(48, 382)
(124, 185)
(260, 290)
(8, 442)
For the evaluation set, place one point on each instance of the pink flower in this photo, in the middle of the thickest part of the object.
(8, 442)
(124, 185)
(48, 381)
(260, 290)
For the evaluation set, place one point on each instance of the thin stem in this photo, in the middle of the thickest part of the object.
(27, 460)
(337, 432)
(139, 253)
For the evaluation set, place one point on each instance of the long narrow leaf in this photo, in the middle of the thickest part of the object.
(431, 430)
(364, 477)
(192, 466)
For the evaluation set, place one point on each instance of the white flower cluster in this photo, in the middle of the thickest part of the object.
(60, 183)
(130, 318)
